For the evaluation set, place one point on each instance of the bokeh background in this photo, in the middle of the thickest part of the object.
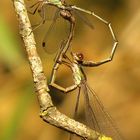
(117, 83)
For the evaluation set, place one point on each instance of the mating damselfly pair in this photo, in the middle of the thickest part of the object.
(97, 117)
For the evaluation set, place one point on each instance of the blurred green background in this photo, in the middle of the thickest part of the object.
(117, 83)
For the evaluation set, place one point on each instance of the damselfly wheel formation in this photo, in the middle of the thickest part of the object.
(96, 116)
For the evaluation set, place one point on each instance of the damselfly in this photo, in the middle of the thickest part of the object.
(98, 118)
(65, 11)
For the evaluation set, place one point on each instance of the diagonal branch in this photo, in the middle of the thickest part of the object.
(48, 111)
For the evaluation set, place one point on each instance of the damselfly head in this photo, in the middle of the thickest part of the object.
(77, 56)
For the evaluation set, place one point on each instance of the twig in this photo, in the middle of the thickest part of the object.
(48, 111)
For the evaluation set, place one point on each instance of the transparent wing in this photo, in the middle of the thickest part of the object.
(77, 104)
(97, 117)
(90, 115)
(84, 19)
(37, 4)
(76, 109)
(47, 48)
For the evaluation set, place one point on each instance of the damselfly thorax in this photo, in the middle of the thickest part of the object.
(78, 74)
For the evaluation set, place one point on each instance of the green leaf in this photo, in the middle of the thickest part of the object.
(9, 45)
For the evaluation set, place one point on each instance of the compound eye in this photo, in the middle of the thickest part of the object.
(80, 56)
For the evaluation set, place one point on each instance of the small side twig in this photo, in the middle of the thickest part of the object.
(48, 112)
